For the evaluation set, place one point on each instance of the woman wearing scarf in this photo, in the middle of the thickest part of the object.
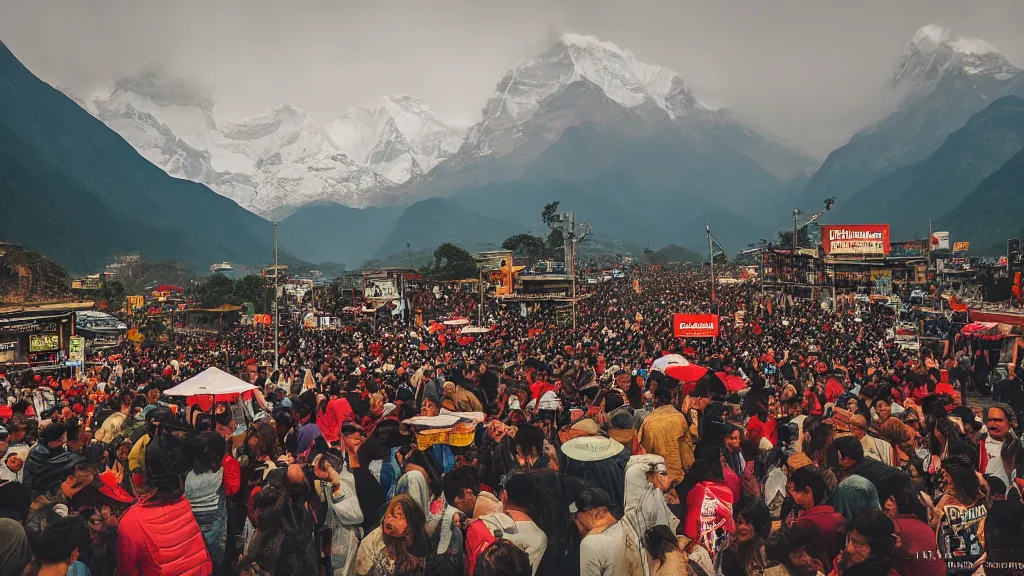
(343, 515)
(645, 507)
(853, 495)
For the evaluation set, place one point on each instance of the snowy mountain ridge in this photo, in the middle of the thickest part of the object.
(274, 162)
(399, 139)
(934, 52)
(573, 57)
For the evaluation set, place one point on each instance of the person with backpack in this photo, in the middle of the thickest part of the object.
(525, 509)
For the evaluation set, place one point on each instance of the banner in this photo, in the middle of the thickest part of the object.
(76, 350)
(695, 325)
(961, 246)
(940, 240)
(380, 289)
(856, 239)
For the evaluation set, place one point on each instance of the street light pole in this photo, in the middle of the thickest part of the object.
(711, 264)
(277, 308)
(796, 213)
(572, 267)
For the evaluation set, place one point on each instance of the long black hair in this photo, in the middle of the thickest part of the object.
(660, 541)
(966, 486)
(522, 491)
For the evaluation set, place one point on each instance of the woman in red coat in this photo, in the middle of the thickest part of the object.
(159, 535)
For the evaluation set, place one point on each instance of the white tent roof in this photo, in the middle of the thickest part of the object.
(211, 382)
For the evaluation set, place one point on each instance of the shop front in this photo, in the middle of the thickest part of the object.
(35, 337)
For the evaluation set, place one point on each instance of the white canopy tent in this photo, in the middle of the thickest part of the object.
(223, 387)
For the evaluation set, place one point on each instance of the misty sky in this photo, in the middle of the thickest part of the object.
(809, 72)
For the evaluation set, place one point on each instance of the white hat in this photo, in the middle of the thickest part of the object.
(549, 401)
(591, 448)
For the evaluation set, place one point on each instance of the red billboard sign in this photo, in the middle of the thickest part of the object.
(856, 239)
(695, 325)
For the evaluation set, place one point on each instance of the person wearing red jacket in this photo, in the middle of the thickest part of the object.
(807, 488)
(159, 536)
(331, 416)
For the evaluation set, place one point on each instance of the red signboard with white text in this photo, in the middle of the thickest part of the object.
(695, 325)
(855, 239)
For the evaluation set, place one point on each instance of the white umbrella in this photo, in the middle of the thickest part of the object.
(456, 322)
(475, 330)
(669, 360)
(212, 382)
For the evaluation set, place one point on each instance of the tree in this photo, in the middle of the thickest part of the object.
(526, 246)
(453, 263)
(553, 220)
(721, 258)
(113, 294)
(215, 291)
(785, 239)
(251, 288)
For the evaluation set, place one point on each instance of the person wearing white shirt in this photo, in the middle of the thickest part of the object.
(603, 549)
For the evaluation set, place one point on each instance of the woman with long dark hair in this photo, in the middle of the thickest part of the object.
(743, 554)
(662, 546)
(398, 545)
(959, 515)
(204, 488)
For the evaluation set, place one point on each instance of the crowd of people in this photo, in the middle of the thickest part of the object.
(812, 444)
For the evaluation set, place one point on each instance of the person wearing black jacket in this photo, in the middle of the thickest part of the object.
(49, 462)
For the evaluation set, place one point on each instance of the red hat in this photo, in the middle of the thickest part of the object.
(168, 371)
(250, 362)
(78, 409)
(111, 489)
(37, 378)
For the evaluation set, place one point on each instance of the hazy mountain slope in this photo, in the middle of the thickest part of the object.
(59, 157)
(945, 80)
(335, 233)
(931, 187)
(992, 212)
(432, 222)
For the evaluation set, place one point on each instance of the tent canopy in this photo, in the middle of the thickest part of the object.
(980, 329)
(212, 382)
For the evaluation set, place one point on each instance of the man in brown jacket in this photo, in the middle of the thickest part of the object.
(665, 432)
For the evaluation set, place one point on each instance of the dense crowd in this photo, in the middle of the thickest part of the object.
(812, 443)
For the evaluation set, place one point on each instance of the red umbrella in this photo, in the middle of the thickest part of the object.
(688, 373)
(733, 383)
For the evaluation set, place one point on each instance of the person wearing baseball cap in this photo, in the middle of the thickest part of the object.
(603, 549)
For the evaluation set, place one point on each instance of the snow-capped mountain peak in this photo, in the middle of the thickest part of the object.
(268, 163)
(573, 57)
(400, 138)
(934, 51)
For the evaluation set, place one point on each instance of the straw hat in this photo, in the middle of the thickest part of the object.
(591, 448)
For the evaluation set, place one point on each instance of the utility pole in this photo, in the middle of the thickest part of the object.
(796, 212)
(570, 239)
(408, 249)
(572, 260)
(928, 262)
(277, 308)
(711, 263)
(480, 309)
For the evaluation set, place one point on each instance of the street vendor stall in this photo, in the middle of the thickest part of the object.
(215, 384)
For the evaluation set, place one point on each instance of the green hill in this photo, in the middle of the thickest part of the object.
(672, 254)
(993, 212)
(335, 233)
(908, 197)
(74, 190)
(434, 221)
